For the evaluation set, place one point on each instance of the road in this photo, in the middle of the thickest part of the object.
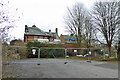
(55, 68)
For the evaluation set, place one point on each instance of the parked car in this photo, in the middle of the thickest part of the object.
(79, 55)
(67, 56)
(86, 55)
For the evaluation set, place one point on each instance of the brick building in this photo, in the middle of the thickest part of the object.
(70, 41)
(35, 34)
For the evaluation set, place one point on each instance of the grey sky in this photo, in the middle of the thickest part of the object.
(45, 14)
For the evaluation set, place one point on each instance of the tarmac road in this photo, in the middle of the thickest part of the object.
(55, 68)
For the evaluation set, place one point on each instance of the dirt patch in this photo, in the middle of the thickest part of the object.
(8, 71)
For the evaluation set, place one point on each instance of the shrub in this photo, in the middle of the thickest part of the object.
(85, 51)
(44, 53)
(70, 54)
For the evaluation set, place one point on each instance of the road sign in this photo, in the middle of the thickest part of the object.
(89, 52)
(33, 50)
(75, 51)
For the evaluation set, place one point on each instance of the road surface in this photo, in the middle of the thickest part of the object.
(55, 68)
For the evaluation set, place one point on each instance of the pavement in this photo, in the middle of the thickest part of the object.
(55, 68)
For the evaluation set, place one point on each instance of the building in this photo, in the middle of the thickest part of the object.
(35, 34)
(68, 39)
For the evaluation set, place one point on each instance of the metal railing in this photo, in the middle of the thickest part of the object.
(66, 50)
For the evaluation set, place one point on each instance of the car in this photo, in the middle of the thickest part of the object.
(85, 55)
(79, 55)
(67, 56)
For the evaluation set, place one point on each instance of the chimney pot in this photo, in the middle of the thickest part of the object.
(49, 30)
(34, 26)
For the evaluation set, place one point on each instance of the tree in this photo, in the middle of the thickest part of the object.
(74, 21)
(88, 31)
(118, 46)
(118, 51)
(7, 19)
(15, 41)
(106, 22)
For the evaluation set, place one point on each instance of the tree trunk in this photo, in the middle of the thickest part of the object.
(78, 42)
(79, 36)
(0, 49)
(118, 51)
(109, 48)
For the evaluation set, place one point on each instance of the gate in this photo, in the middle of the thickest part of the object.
(51, 54)
(54, 54)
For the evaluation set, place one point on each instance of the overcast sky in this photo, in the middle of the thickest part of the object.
(45, 14)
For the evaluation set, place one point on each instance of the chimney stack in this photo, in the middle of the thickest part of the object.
(49, 30)
(26, 28)
(56, 30)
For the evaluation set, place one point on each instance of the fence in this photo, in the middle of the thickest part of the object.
(21, 52)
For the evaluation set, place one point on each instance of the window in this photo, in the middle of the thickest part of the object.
(45, 37)
(35, 37)
(40, 37)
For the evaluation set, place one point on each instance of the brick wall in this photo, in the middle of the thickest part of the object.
(62, 39)
(30, 38)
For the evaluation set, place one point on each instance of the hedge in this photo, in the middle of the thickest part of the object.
(45, 53)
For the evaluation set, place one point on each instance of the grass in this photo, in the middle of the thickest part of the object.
(81, 58)
(73, 58)
(96, 59)
(6, 76)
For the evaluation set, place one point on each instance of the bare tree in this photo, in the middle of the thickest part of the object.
(7, 19)
(106, 22)
(74, 21)
(88, 31)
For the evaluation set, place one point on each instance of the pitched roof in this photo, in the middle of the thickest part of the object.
(69, 39)
(53, 34)
(37, 31)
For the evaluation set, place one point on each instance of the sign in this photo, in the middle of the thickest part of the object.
(89, 52)
(33, 50)
(75, 51)
(106, 54)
